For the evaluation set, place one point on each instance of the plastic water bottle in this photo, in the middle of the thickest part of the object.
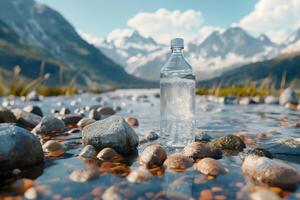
(177, 98)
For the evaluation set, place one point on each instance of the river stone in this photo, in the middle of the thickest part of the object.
(71, 119)
(246, 101)
(229, 142)
(210, 166)
(148, 136)
(139, 175)
(153, 156)
(94, 114)
(84, 122)
(112, 132)
(83, 175)
(34, 109)
(88, 152)
(33, 96)
(48, 125)
(271, 172)
(54, 148)
(18, 148)
(7, 116)
(108, 154)
(178, 161)
(106, 111)
(271, 100)
(26, 119)
(199, 150)
(284, 147)
(132, 121)
(64, 111)
(201, 136)
(264, 194)
(256, 151)
(288, 96)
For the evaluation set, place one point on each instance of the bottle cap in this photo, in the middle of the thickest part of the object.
(177, 42)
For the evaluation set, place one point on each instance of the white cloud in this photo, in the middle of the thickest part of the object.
(117, 34)
(276, 18)
(163, 25)
(90, 39)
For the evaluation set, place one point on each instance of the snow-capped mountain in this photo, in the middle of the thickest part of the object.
(292, 44)
(143, 57)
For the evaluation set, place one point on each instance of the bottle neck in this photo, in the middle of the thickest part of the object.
(177, 50)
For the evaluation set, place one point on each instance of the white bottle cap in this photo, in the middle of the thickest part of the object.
(177, 42)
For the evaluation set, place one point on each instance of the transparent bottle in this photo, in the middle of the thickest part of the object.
(177, 98)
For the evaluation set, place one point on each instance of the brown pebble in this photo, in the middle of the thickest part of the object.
(210, 166)
(132, 121)
(220, 197)
(178, 162)
(21, 185)
(54, 148)
(139, 175)
(199, 150)
(206, 195)
(108, 154)
(97, 192)
(153, 156)
(84, 122)
(216, 189)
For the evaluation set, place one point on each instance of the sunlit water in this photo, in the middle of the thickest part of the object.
(215, 119)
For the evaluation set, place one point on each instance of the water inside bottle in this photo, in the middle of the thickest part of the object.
(177, 111)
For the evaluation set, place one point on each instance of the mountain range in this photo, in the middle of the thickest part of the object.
(32, 33)
(216, 54)
(40, 40)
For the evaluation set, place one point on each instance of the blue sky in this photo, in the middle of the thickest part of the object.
(98, 17)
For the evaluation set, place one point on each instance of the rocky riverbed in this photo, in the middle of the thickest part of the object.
(108, 147)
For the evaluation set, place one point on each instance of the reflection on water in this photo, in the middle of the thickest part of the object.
(261, 124)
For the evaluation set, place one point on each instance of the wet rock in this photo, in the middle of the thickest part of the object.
(83, 175)
(94, 114)
(258, 99)
(26, 119)
(21, 185)
(149, 136)
(199, 150)
(112, 193)
(33, 96)
(112, 132)
(264, 194)
(106, 111)
(65, 111)
(71, 119)
(178, 162)
(271, 172)
(229, 142)
(284, 147)
(246, 101)
(31, 193)
(228, 100)
(34, 109)
(202, 137)
(18, 148)
(84, 122)
(153, 156)
(256, 151)
(271, 100)
(49, 125)
(288, 96)
(7, 116)
(54, 148)
(210, 166)
(108, 154)
(132, 121)
(292, 106)
(139, 175)
(88, 152)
